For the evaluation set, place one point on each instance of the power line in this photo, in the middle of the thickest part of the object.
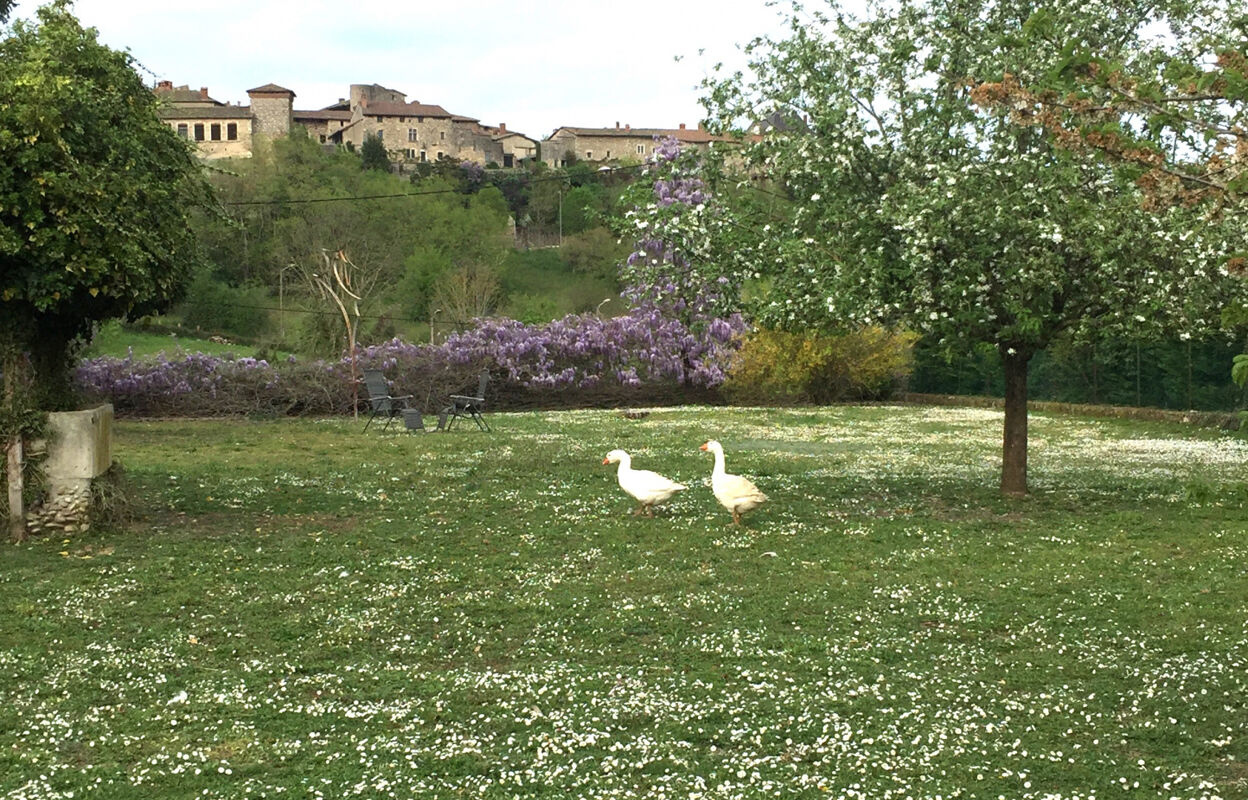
(395, 195)
(285, 310)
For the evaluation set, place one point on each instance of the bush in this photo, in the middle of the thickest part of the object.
(578, 360)
(215, 307)
(781, 367)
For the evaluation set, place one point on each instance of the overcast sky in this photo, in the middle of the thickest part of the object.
(533, 64)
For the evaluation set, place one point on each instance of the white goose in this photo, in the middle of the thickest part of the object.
(648, 488)
(735, 493)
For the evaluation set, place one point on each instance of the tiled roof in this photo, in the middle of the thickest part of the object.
(338, 134)
(691, 135)
(323, 114)
(271, 88)
(184, 94)
(500, 135)
(204, 112)
(405, 110)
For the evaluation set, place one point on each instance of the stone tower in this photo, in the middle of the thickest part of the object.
(272, 108)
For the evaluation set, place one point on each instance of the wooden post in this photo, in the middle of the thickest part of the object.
(17, 513)
(13, 453)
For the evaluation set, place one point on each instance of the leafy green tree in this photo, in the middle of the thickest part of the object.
(582, 206)
(905, 204)
(292, 203)
(373, 155)
(95, 198)
(595, 252)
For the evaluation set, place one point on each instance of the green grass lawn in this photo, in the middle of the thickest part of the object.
(307, 611)
(118, 341)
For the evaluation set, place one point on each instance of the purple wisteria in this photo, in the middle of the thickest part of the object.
(583, 351)
(643, 348)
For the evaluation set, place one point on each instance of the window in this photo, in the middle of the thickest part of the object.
(199, 131)
(231, 131)
(589, 155)
(411, 135)
(608, 154)
(422, 156)
(439, 155)
(322, 138)
(402, 119)
(641, 149)
(183, 131)
(216, 131)
(381, 135)
(442, 135)
(420, 119)
(409, 154)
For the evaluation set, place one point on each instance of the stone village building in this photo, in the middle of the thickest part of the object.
(618, 144)
(412, 132)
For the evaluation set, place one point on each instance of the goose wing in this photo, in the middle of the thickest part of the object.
(645, 485)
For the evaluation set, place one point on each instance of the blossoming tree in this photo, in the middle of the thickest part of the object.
(896, 200)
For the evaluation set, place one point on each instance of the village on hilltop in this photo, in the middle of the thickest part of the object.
(412, 132)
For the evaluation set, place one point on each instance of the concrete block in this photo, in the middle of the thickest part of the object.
(80, 444)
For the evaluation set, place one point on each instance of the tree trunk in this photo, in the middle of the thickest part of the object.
(1014, 445)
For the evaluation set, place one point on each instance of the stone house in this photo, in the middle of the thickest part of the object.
(218, 129)
(618, 144)
(517, 147)
(416, 132)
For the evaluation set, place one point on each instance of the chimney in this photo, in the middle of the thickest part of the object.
(166, 85)
(682, 126)
(502, 127)
(203, 92)
(617, 124)
(627, 127)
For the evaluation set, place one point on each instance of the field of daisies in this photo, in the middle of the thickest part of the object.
(304, 610)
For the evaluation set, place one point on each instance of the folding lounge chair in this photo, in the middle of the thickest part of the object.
(463, 405)
(382, 402)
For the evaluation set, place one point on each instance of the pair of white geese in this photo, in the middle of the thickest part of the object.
(735, 493)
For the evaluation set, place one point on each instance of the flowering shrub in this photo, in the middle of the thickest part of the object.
(578, 360)
(583, 351)
(778, 366)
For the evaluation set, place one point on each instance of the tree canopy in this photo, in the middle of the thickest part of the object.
(1174, 112)
(899, 201)
(95, 191)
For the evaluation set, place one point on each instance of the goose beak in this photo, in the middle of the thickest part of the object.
(703, 447)
(606, 461)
